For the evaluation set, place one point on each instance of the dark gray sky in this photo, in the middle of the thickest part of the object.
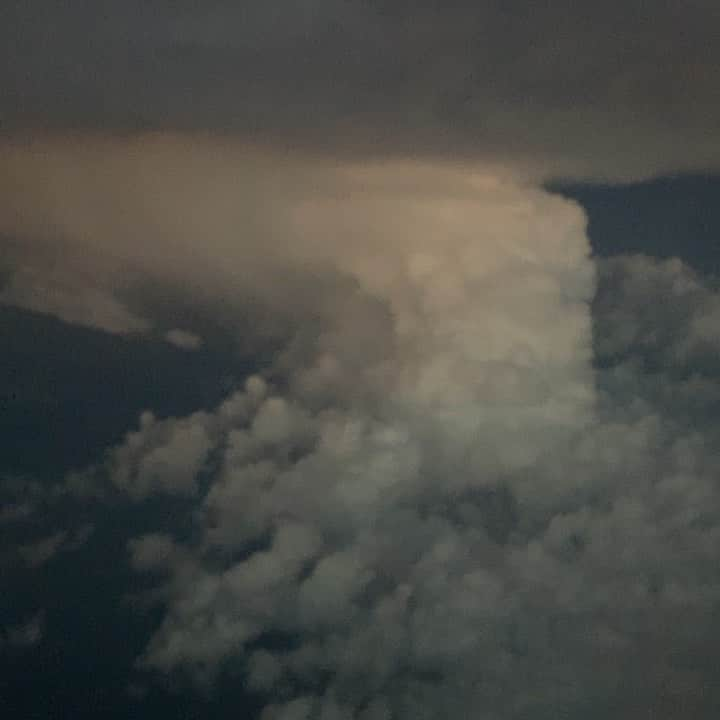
(360, 360)
(613, 88)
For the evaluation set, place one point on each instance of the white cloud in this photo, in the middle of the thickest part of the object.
(183, 339)
(162, 456)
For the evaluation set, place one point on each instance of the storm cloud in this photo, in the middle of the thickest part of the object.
(415, 564)
(614, 89)
(471, 472)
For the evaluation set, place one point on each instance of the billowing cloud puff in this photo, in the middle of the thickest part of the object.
(662, 309)
(162, 456)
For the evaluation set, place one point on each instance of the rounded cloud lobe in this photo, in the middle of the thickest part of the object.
(435, 500)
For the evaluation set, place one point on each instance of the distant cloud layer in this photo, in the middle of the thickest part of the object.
(611, 89)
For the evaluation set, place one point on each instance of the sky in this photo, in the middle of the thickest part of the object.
(359, 360)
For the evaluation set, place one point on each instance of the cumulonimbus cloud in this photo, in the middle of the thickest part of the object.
(428, 503)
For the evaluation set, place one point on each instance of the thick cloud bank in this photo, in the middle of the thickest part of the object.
(620, 88)
(433, 500)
